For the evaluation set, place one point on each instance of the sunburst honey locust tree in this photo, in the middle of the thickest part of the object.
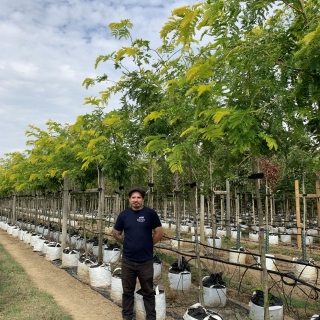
(52, 157)
(9, 173)
(101, 144)
(140, 85)
(255, 50)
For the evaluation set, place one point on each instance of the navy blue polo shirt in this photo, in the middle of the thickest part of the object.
(137, 227)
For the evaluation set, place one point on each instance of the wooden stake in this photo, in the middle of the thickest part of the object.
(297, 194)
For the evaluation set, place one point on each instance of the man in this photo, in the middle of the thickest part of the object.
(138, 228)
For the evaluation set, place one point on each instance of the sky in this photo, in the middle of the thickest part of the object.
(47, 49)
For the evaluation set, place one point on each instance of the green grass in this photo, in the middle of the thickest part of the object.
(20, 299)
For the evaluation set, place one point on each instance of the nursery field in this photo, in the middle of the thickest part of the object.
(79, 299)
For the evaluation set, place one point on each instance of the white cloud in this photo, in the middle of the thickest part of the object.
(48, 47)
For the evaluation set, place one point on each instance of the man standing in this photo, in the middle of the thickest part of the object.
(138, 228)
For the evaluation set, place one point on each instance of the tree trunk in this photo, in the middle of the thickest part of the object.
(262, 246)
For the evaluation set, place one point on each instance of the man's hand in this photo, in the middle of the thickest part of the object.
(117, 235)
(157, 235)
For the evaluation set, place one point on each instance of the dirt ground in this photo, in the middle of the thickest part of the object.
(78, 299)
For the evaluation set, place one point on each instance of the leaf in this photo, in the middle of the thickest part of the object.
(93, 142)
(33, 177)
(272, 144)
(190, 129)
(219, 115)
(153, 116)
(203, 88)
(310, 36)
(109, 121)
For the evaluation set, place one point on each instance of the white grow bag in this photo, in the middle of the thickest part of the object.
(270, 263)
(70, 258)
(15, 232)
(237, 256)
(306, 271)
(9, 229)
(39, 244)
(285, 238)
(215, 297)
(79, 243)
(234, 234)
(83, 269)
(160, 298)
(257, 312)
(45, 246)
(218, 242)
(221, 233)
(21, 234)
(254, 236)
(33, 239)
(174, 243)
(157, 267)
(95, 249)
(100, 275)
(208, 314)
(208, 231)
(180, 281)
(116, 286)
(183, 228)
(111, 256)
(273, 239)
(27, 237)
(3, 225)
(53, 251)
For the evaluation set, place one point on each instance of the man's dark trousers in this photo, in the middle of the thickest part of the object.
(130, 271)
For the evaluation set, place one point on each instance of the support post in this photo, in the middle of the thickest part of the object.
(227, 219)
(318, 203)
(262, 245)
(201, 218)
(100, 216)
(65, 212)
(297, 195)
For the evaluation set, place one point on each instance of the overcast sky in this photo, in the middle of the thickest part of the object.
(47, 48)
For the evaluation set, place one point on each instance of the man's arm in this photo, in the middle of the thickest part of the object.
(157, 235)
(117, 235)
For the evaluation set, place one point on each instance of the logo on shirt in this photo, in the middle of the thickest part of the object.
(141, 219)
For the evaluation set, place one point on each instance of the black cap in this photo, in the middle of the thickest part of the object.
(137, 189)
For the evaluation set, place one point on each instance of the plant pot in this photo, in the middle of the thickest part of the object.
(254, 236)
(196, 311)
(100, 275)
(270, 263)
(70, 258)
(305, 270)
(174, 243)
(160, 299)
(218, 242)
(116, 286)
(285, 238)
(221, 233)
(111, 256)
(184, 228)
(273, 239)
(180, 281)
(257, 310)
(237, 256)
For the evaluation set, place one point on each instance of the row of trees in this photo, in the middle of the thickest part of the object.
(235, 85)
(232, 83)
